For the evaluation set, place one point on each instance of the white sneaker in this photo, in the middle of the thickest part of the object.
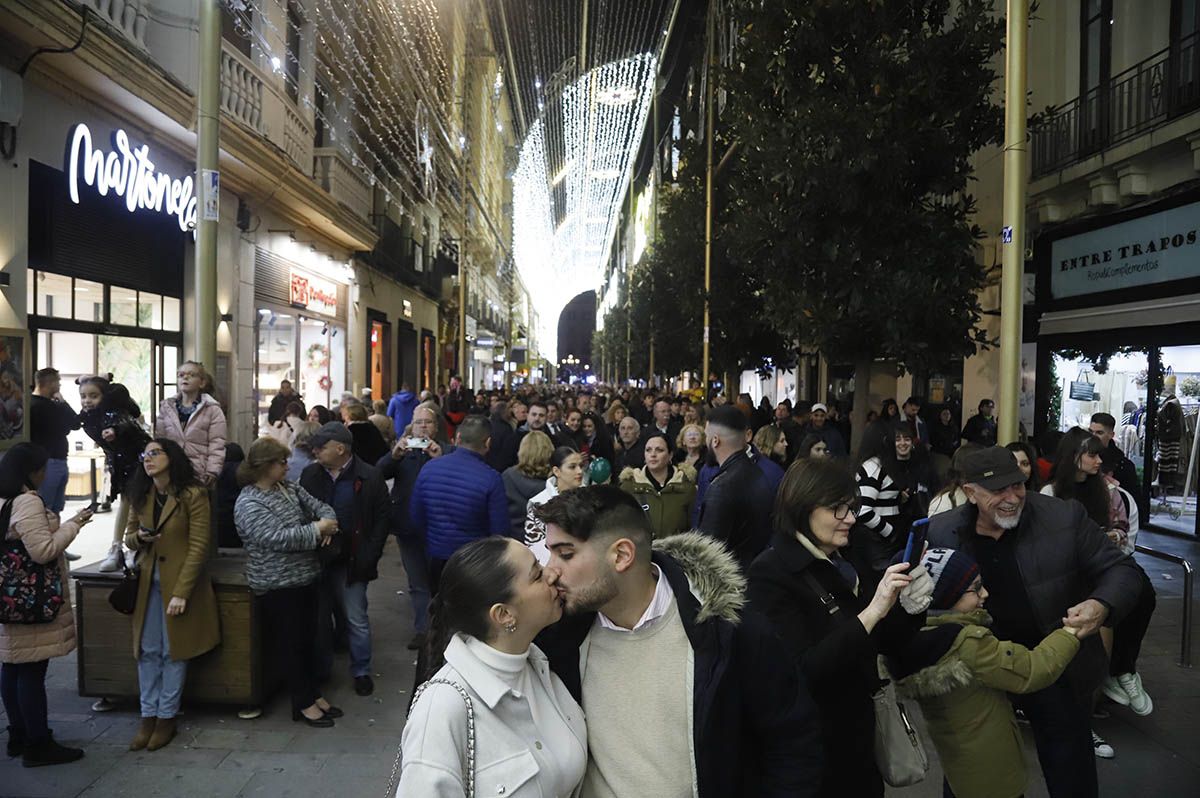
(1102, 749)
(112, 562)
(1114, 689)
(1139, 699)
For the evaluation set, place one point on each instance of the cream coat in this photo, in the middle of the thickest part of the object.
(434, 741)
(204, 439)
(46, 540)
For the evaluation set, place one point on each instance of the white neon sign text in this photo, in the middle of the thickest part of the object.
(129, 173)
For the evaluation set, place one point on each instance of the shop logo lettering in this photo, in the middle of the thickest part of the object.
(1135, 250)
(129, 173)
(314, 294)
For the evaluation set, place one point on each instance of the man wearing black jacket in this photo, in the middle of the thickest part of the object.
(1045, 564)
(737, 504)
(747, 729)
(1104, 427)
(358, 495)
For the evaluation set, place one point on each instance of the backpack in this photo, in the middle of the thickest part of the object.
(29, 592)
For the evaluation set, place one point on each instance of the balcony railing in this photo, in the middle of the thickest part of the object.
(333, 171)
(127, 16)
(241, 89)
(1148, 94)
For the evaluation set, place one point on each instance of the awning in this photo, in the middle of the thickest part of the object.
(1147, 313)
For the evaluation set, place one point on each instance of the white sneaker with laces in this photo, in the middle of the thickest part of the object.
(112, 561)
(1102, 749)
(1113, 688)
(1139, 699)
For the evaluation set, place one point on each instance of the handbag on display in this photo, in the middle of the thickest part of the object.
(30, 592)
(123, 597)
(899, 753)
(469, 773)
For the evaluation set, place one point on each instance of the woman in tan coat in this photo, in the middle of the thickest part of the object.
(26, 649)
(175, 618)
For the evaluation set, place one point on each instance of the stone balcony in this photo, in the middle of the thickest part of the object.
(127, 16)
(333, 172)
(258, 105)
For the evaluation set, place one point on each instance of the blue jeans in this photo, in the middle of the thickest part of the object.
(53, 489)
(349, 603)
(416, 566)
(160, 678)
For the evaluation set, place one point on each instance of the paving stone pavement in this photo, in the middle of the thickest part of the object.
(217, 755)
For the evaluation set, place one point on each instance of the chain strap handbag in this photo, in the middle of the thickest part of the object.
(469, 774)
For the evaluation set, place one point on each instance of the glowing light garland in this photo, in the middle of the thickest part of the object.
(560, 246)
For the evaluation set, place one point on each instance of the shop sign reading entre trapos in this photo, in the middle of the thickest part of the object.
(313, 293)
(129, 173)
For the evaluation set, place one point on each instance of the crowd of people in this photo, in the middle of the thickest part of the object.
(556, 540)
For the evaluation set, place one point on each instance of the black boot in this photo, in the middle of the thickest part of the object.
(16, 741)
(49, 753)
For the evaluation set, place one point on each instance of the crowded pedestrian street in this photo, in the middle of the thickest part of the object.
(599, 398)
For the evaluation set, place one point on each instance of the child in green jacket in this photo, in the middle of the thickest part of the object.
(960, 673)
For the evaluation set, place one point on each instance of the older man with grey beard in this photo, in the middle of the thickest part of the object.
(1046, 564)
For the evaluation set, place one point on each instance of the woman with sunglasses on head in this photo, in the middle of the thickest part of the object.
(194, 420)
(282, 526)
(797, 583)
(175, 618)
(523, 734)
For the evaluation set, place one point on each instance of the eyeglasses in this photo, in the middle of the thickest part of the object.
(151, 453)
(842, 511)
(976, 587)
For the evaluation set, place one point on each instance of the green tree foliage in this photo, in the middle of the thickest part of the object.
(848, 204)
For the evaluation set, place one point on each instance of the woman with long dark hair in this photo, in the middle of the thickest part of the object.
(175, 618)
(895, 487)
(566, 473)
(493, 600)
(26, 649)
(1077, 476)
(1027, 461)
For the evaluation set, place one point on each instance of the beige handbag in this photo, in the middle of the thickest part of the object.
(899, 753)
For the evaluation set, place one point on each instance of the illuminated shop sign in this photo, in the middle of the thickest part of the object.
(313, 293)
(129, 173)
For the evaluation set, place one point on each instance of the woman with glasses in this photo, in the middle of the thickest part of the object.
(282, 526)
(833, 629)
(175, 618)
(194, 420)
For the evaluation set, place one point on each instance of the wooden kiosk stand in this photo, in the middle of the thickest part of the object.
(235, 672)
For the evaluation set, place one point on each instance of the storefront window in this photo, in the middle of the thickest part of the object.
(276, 357)
(149, 310)
(89, 301)
(171, 314)
(1175, 448)
(53, 295)
(128, 359)
(123, 306)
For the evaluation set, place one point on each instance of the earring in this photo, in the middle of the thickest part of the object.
(510, 627)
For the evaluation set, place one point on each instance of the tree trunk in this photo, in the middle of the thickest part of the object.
(862, 403)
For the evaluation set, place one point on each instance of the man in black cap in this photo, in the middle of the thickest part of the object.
(358, 495)
(737, 506)
(1046, 565)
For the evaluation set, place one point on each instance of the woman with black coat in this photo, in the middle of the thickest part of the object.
(834, 631)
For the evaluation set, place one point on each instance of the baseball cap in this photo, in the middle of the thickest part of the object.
(992, 468)
(332, 431)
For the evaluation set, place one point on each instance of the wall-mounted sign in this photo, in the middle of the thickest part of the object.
(313, 293)
(129, 173)
(1152, 249)
(210, 185)
(408, 308)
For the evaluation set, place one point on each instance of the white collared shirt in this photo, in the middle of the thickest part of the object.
(659, 604)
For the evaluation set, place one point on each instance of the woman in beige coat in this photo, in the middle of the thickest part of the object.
(175, 618)
(195, 421)
(26, 649)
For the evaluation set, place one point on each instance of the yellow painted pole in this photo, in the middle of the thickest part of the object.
(709, 113)
(208, 131)
(1013, 234)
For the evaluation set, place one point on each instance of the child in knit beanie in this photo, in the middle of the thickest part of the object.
(960, 674)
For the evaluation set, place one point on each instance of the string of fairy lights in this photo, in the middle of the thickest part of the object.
(586, 83)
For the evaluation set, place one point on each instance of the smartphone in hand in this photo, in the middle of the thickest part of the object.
(915, 548)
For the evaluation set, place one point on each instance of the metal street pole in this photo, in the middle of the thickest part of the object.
(708, 188)
(208, 131)
(1013, 233)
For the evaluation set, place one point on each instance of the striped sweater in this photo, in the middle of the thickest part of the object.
(279, 530)
(880, 497)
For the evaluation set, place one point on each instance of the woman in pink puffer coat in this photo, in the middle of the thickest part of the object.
(195, 421)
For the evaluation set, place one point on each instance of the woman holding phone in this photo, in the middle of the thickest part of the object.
(795, 583)
(175, 618)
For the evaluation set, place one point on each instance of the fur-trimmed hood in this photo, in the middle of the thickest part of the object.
(683, 474)
(714, 577)
(951, 671)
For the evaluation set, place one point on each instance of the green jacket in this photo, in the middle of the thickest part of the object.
(669, 509)
(962, 697)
